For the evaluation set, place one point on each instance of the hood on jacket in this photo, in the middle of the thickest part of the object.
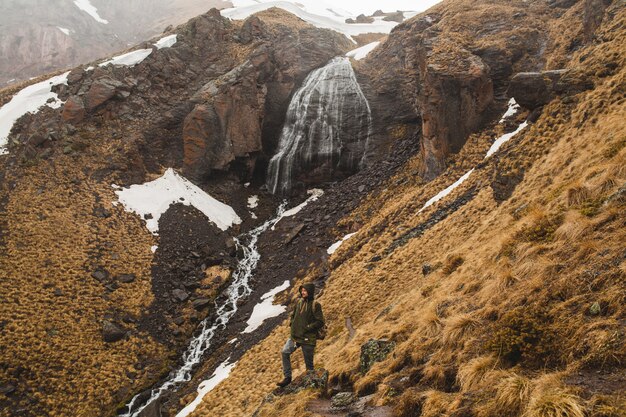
(310, 288)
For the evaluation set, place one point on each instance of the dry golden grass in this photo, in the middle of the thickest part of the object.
(533, 267)
(473, 374)
(53, 306)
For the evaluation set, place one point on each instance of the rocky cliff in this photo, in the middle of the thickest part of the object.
(451, 72)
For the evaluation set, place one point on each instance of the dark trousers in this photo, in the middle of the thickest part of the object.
(289, 348)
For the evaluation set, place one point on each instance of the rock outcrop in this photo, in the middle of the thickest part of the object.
(534, 89)
(442, 88)
(236, 117)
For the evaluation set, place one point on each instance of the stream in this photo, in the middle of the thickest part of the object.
(239, 288)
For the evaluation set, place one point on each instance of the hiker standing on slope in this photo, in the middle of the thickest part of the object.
(306, 319)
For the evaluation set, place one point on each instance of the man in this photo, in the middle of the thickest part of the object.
(306, 319)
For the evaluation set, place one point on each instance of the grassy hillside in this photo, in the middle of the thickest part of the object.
(522, 311)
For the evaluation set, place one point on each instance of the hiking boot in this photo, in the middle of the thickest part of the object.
(284, 382)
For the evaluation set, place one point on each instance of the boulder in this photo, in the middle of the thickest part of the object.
(374, 351)
(100, 274)
(201, 303)
(535, 89)
(112, 332)
(360, 19)
(101, 91)
(7, 389)
(73, 110)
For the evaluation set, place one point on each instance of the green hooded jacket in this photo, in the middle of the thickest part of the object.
(306, 318)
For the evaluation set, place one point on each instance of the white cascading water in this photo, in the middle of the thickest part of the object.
(239, 288)
(328, 125)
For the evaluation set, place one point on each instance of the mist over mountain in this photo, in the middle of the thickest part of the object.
(40, 36)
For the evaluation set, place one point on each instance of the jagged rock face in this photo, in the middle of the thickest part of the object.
(228, 122)
(236, 117)
(326, 131)
(31, 42)
(452, 102)
(424, 74)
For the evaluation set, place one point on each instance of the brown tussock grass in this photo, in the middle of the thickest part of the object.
(473, 375)
(456, 328)
(512, 393)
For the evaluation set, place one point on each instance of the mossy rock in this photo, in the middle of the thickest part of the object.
(317, 380)
(374, 351)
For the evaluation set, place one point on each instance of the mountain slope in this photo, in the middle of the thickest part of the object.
(504, 298)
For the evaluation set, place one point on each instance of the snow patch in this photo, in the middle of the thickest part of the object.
(150, 200)
(333, 248)
(513, 109)
(28, 100)
(220, 374)
(154, 248)
(266, 308)
(88, 8)
(362, 52)
(130, 59)
(504, 138)
(447, 191)
(166, 42)
(64, 30)
(89, 68)
(253, 202)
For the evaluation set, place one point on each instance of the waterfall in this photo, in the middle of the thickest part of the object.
(326, 130)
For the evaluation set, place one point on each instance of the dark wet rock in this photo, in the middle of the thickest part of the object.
(112, 332)
(100, 274)
(126, 278)
(180, 295)
(152, 410)
(201, 303)
(374, 351)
